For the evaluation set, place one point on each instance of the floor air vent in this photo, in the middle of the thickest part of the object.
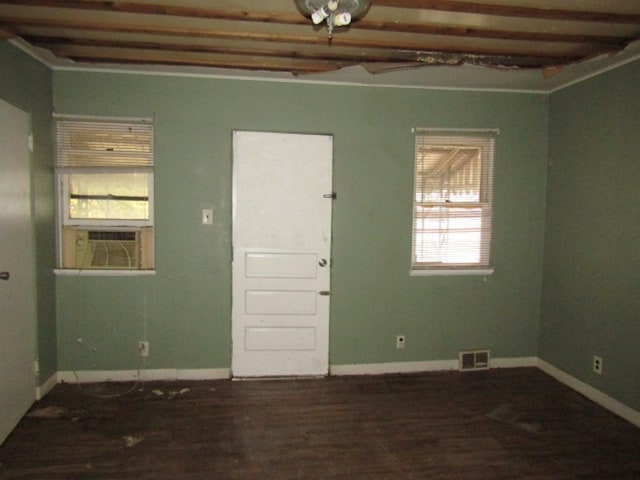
(474, 360)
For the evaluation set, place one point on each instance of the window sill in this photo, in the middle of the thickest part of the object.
(73, 272)
(451, 272)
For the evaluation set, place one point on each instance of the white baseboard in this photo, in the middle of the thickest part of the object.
(146, 375)
(591, 393)
(94, 376)
(47, 386)
(427, 366)
(204, 374)
(393, 367)
(514, 362)
(595, 395)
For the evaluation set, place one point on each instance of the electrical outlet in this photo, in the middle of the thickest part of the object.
(400, 341)
(143, 349)
(597, 364)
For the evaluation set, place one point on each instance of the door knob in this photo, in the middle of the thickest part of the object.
(4, 275)
(323, 262)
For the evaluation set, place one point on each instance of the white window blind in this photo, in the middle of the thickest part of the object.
(453, 192)
(106, 169)
(93, 144)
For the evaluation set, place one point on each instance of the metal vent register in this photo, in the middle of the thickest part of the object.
(474, 360)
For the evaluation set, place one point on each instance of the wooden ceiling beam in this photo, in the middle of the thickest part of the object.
(407, 46)
(331, 55)
(456, 6)
(141, 56)
(152, 57)
(178, 62)
(364, 24)
(513, 11)
(294, 18)
(473, 32)
(384, 63)
(186, 32)
(423, 58)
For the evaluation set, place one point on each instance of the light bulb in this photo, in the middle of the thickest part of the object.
(319, 15)
(342, 19)
(332, 5)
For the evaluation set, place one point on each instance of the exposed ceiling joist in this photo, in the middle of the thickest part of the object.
(560, 14)
(273, 36)
(176, 9)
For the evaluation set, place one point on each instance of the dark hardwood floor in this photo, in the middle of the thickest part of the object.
(500, 424)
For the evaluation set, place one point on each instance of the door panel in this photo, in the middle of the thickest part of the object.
(281, 245)
(282, 265)
(280, 338)
(280, 302)
(17, 293)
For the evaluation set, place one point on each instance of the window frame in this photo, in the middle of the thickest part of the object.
(63, 181)
(64, 221)
(480, 138)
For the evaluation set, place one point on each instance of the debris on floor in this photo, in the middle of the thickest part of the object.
(171, 393)
(182, 391)
(130, 441)
(52, 411)
(506, 414)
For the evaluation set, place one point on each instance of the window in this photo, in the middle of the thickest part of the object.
(105, 179)
(452, 203)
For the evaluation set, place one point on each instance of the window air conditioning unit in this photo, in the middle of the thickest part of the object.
(107, 249)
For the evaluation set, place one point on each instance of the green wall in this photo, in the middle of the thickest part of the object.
(26, 84)
(591, 299)
(185, 309)
(589, 236)
(581, 300)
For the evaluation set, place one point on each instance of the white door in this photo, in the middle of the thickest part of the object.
(281, 254)
(17, 286)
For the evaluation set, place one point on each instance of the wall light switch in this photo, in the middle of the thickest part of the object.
(207, 216)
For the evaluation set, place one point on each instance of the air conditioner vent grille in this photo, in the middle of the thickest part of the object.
(474, 360)
(115, 254)
(107, 249)
(118, 236)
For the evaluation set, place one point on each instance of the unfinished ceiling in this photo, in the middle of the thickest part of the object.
(272, 36)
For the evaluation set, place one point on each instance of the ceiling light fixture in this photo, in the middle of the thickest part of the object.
(336, 13)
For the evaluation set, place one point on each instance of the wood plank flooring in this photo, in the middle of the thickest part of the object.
(498, 424)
